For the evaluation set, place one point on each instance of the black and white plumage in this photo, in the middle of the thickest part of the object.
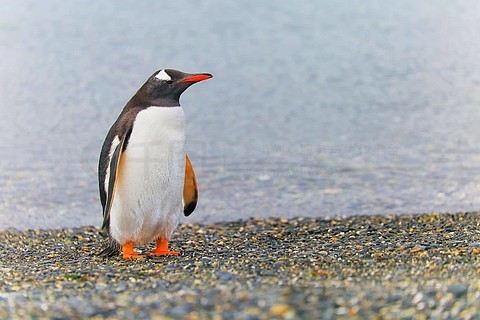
(146, 179)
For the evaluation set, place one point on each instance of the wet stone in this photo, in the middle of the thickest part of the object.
(458, 290)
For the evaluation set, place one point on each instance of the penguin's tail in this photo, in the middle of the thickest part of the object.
(112, 248)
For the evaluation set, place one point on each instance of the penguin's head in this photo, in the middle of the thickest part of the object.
(165, 86)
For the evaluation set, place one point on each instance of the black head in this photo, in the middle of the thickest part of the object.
(165, 86)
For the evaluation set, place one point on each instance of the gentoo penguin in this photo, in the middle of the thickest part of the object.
(145, 177)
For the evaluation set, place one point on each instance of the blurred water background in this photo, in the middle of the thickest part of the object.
(317, 108)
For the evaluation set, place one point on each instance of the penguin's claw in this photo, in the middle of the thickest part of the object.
(163, 253)
(128, 256)
(129, 253)
(162, 249)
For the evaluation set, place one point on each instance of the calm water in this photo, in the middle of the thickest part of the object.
(317, 108)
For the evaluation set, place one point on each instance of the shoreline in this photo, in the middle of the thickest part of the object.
(398, 266)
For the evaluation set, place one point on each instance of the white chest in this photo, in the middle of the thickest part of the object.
(148, 198)
(157, 124)
(156, 143)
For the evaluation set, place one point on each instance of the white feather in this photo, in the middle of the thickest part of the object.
(162, 75)
(148, 196)
(114, 145)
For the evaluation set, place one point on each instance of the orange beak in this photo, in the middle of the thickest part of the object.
(196, 78)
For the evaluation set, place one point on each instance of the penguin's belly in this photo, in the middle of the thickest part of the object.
(148, 196)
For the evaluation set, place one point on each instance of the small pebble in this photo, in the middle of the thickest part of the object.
(366, 267)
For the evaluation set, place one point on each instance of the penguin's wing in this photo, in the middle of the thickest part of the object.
(190, 189)
(114, 165)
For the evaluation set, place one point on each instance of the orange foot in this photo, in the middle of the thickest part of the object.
(162, 249)
(129, 253)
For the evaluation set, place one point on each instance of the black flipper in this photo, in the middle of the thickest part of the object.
(112, 180)
(190, 189)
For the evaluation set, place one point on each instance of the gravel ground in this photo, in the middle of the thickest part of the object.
(376, 267)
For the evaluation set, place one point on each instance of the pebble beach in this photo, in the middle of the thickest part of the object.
(331, 123)
(362, 267)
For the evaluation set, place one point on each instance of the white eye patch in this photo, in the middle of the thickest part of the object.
(162, 75)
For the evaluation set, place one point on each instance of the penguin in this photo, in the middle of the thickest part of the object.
(146, 179)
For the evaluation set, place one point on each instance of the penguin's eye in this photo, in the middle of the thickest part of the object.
(169, 82)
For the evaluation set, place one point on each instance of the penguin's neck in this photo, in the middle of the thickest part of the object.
(159, 102)
(164, 103)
